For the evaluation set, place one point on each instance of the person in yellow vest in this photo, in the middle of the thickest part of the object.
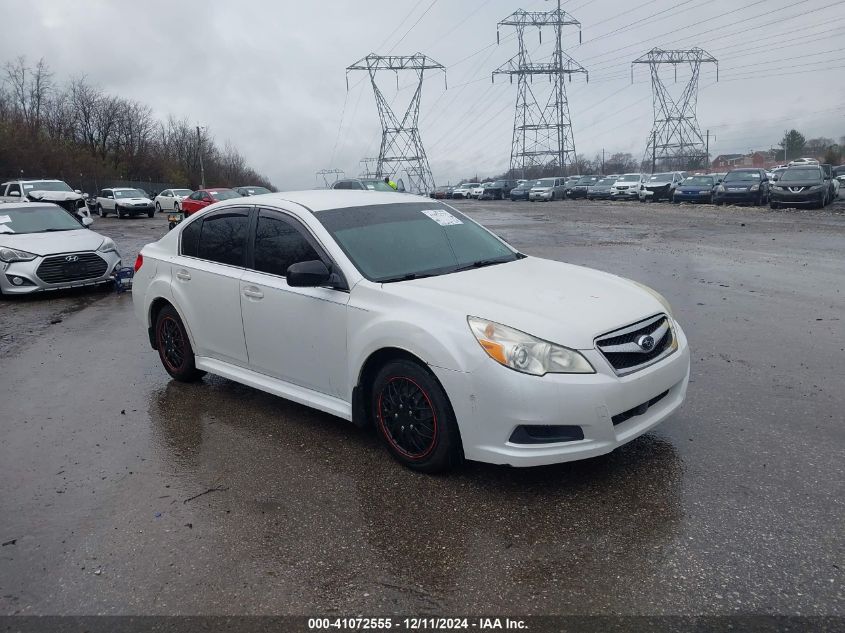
(391, 183)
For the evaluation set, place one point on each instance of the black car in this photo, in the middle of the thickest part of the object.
(800, 185)
(520, 192)
(582, 187)
(499, 190)
(744, 186)
(601, 190)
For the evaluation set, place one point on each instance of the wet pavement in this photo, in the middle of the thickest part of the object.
(126, 493)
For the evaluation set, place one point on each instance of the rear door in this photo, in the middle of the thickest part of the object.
(206, 282)
(295, 334)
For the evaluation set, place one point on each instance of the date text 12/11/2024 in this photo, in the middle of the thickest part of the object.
(415, 624)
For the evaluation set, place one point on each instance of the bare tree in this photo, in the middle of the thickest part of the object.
(30, 88)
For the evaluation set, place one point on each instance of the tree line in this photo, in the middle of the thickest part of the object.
(79, 133)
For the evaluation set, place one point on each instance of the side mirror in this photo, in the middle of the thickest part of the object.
(308, 274)
(15, 194)
(86, 222)
(774, 178)
(77, 191)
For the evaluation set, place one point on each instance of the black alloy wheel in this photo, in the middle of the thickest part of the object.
(174, 347)
(414, 418)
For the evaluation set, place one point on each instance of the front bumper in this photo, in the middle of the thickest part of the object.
(624, 194)
(135, 210)
(491, 194)
(519, 196)
(744, 196)
(540, 195)
(602, 194)
(492, 401)
(693, 196)
(656, 193)
(32, 283)
(459, 195)
(578, 193)
(803, 198)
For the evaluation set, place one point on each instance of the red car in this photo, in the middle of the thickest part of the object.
(201, 198)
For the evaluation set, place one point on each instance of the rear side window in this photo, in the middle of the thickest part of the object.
(223, 237)
(191, 238)
(279, 243)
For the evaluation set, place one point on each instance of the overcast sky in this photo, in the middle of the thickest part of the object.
(270, 75)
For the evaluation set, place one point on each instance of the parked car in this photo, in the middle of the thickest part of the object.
(498, 190)
(123, 202)
(777, 172)
(747, 185)
(581, 189)
(803, 161)
(522, 190)
(801, 185)
(464, 190)
(363, 184)
(42, 247)
(547, 189)
(440, 192)
(479, 191)
(627, 187)
(205, 197)
(698, 188)
(839, 173)
(251, 190)
(47, 190)
(833, 183)
(170, 199)
(660, 186)
(356, 282)
(601, 190)
(571, 181)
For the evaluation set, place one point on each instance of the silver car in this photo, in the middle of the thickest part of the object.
(547, 189)
(43, 247)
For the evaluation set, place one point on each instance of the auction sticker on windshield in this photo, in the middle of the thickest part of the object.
(443, 218)
(4, 219)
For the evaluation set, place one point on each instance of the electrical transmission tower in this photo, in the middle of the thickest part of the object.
(542, 128)
(326, 176)
(675, 141)
(401, 148)
(368, 168)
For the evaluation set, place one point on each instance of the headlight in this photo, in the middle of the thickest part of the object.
(755, 187)
(108, 246)
(10, 255)
(524, 353)
(817, 187)
(656, 295)
(777, 188)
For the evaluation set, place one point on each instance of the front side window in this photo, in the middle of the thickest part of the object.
(223, 237)
(393, 242)
(280, 243)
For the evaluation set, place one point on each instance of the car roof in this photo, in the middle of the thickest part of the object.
(317, 200)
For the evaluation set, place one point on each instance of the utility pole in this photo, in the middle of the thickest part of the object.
(202, 167)
(676, 137)
(707, 151)
(602, 160)
(542, 128)
(401, 146)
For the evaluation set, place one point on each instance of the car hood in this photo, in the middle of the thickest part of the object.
(562, 303)
(50, 243)
(683, 188)
(800, 183)
(541, 189)
(658, 183)
(53, 196)
(133, 200)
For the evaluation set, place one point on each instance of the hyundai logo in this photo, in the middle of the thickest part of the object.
(646, 343)
(72, 258)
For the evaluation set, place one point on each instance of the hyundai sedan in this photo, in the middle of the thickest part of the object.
(399, 312)
(42, 247)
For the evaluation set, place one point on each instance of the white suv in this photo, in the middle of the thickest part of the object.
(627, 187)
(399, 312)
(124, 202)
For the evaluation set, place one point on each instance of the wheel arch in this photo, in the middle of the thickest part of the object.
(156, 306)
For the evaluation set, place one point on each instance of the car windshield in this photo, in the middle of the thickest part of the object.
(36, 219)
(525, 185)
(129, 193)
(630, 178)
(588, 180)
(742, 176)
(500, 183)
(606, 181)
(704, 181)
(46, 185)
(396, 242)
(224, 194)
(797, 174)
(182, 192)
(377, 185)
(255, 191)
(545, 182)
(660, 178)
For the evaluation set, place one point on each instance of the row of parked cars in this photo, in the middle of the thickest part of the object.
(803, 182)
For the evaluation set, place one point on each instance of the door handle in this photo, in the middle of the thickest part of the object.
(252, 292)
(184, 275)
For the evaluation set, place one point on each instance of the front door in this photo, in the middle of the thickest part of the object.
(295, 334)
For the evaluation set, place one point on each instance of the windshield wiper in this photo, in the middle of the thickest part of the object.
(481, 263)
(53, 230)
(408, 277)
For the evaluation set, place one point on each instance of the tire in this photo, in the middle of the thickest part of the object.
(151, 214)
(174, 347)
(718, 203)
(435, 444)
(773, 205)
(171, 226)
(101, 212)
(158, 208)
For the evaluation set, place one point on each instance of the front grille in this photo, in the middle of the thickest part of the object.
(622, 188)
(619, 418)
(627, 349)
(660, 188)
(58, 270)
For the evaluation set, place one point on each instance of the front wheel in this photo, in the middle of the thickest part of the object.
(100, 211)
(773, 205)
(414, 418)
(174, 347)
(150, 214)
(158, 208)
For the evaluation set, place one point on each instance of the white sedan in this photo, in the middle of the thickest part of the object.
(400, 312)
(171, 199)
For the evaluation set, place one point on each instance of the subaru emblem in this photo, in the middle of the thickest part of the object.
(646, 343)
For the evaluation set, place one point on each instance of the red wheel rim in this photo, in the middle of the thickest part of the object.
(407, 418)
(172, 346)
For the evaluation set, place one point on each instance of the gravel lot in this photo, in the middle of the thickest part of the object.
(733, 506)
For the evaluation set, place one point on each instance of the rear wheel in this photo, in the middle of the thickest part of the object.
(414, 417)
(174, 347)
